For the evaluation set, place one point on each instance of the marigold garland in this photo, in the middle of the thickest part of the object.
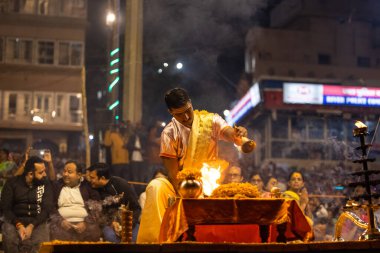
(236, 190)
(189, 174)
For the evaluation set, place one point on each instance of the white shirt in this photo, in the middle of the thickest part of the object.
(71, 204)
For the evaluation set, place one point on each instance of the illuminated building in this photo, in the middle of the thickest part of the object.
(41, 59)
(317, 71)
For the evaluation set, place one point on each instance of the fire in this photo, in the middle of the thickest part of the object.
(210, 177)
(360, 124)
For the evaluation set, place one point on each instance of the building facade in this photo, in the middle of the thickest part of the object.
(315, 49)
(41, 60)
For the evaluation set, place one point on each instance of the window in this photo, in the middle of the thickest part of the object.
(12, 105)
(43, 7)
(316, 129)
(75, 108)
(19, 50)
(59, 105)
(75, 8)
(76, 54)
(324, 59)
(298, 130)
(45, 52)
(27, 104)
(70, 53)
(364, 62)
(42, 103)
(280, 128)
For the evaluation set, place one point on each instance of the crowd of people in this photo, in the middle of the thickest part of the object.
(44, 197)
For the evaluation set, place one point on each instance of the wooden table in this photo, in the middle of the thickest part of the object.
(278, 220)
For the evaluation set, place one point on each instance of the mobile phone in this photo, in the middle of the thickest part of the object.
(37, 152)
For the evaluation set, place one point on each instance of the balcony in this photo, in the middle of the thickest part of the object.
(41, 110)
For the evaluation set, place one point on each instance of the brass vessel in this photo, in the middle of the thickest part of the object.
(190, 188)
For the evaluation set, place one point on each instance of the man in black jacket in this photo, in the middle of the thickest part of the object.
(26, 201)
(114, 191)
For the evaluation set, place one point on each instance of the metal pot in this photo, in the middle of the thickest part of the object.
(190, 188)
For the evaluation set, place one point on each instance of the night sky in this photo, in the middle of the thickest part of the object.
(207, 36)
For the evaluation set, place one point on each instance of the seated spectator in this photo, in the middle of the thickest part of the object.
(115, 191)
(272, 182)
(72, 219)
(26, 200)
(160, 194)
(47, 159)
(257, 180)
(234, 175)
(297, 190)
(6, 166)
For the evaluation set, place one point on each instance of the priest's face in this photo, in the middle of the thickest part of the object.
(184, 114)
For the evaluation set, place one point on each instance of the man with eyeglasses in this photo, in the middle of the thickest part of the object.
(234, 175)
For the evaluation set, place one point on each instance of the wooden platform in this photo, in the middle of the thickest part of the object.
(343, 247)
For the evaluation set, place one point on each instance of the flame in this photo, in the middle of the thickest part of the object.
(360, 124)
(210, 177)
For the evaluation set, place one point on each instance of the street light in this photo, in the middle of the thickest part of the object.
(179, 65)
(111, 17)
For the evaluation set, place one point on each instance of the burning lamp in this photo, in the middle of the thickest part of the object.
(361, 129)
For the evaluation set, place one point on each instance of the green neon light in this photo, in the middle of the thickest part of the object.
(117, 117)
(114, 62)
(113, 84)
(116, 103)
(115, 51)
(113, 71)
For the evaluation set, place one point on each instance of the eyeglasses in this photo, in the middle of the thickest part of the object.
(234, 175)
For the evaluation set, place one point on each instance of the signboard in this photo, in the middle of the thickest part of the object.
(322, 94)
(249, 101)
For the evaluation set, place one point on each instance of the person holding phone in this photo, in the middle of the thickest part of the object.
(45, 155)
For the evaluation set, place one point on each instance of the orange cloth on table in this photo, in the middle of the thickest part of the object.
(119, 154)
(186, 212)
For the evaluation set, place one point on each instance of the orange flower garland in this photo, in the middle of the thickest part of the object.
(236, 190)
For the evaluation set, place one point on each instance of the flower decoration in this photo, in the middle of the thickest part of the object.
(236, 190)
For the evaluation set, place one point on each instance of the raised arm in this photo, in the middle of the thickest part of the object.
(234, 134)
(20, 168)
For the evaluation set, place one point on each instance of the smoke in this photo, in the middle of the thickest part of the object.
(342, 149)
(198, 33)
(186, 26)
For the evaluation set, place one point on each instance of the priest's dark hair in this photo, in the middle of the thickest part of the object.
(176, 98)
